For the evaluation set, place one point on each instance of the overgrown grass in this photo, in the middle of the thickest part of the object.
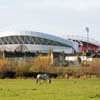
(59, 89)
(24, 68)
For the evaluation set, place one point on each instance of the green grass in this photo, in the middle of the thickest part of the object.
(72, 67)
(59, 89)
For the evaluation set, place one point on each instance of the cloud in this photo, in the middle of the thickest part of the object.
(51, 16)
(77, 5)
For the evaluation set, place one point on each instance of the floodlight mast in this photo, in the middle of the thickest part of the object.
(87, 31)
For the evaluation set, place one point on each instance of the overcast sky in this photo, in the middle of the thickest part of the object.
(58, 17)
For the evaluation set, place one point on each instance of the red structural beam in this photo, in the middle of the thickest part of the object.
(91, 47)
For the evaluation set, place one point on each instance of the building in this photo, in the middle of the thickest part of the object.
(33, 42)
(84, 45)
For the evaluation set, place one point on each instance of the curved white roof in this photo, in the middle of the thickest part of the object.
(38, 34)
(84, 39)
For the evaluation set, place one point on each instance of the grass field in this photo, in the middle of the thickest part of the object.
(59, 89)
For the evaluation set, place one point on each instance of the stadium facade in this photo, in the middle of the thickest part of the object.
(30, 41)
(84, 45)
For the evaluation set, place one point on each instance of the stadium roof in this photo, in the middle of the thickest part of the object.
(51, 38)
(37, 34)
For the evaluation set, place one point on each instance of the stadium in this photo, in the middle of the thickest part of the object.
(84, 44)
(30, 41)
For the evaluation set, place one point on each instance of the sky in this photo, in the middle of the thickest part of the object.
(56, 17)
